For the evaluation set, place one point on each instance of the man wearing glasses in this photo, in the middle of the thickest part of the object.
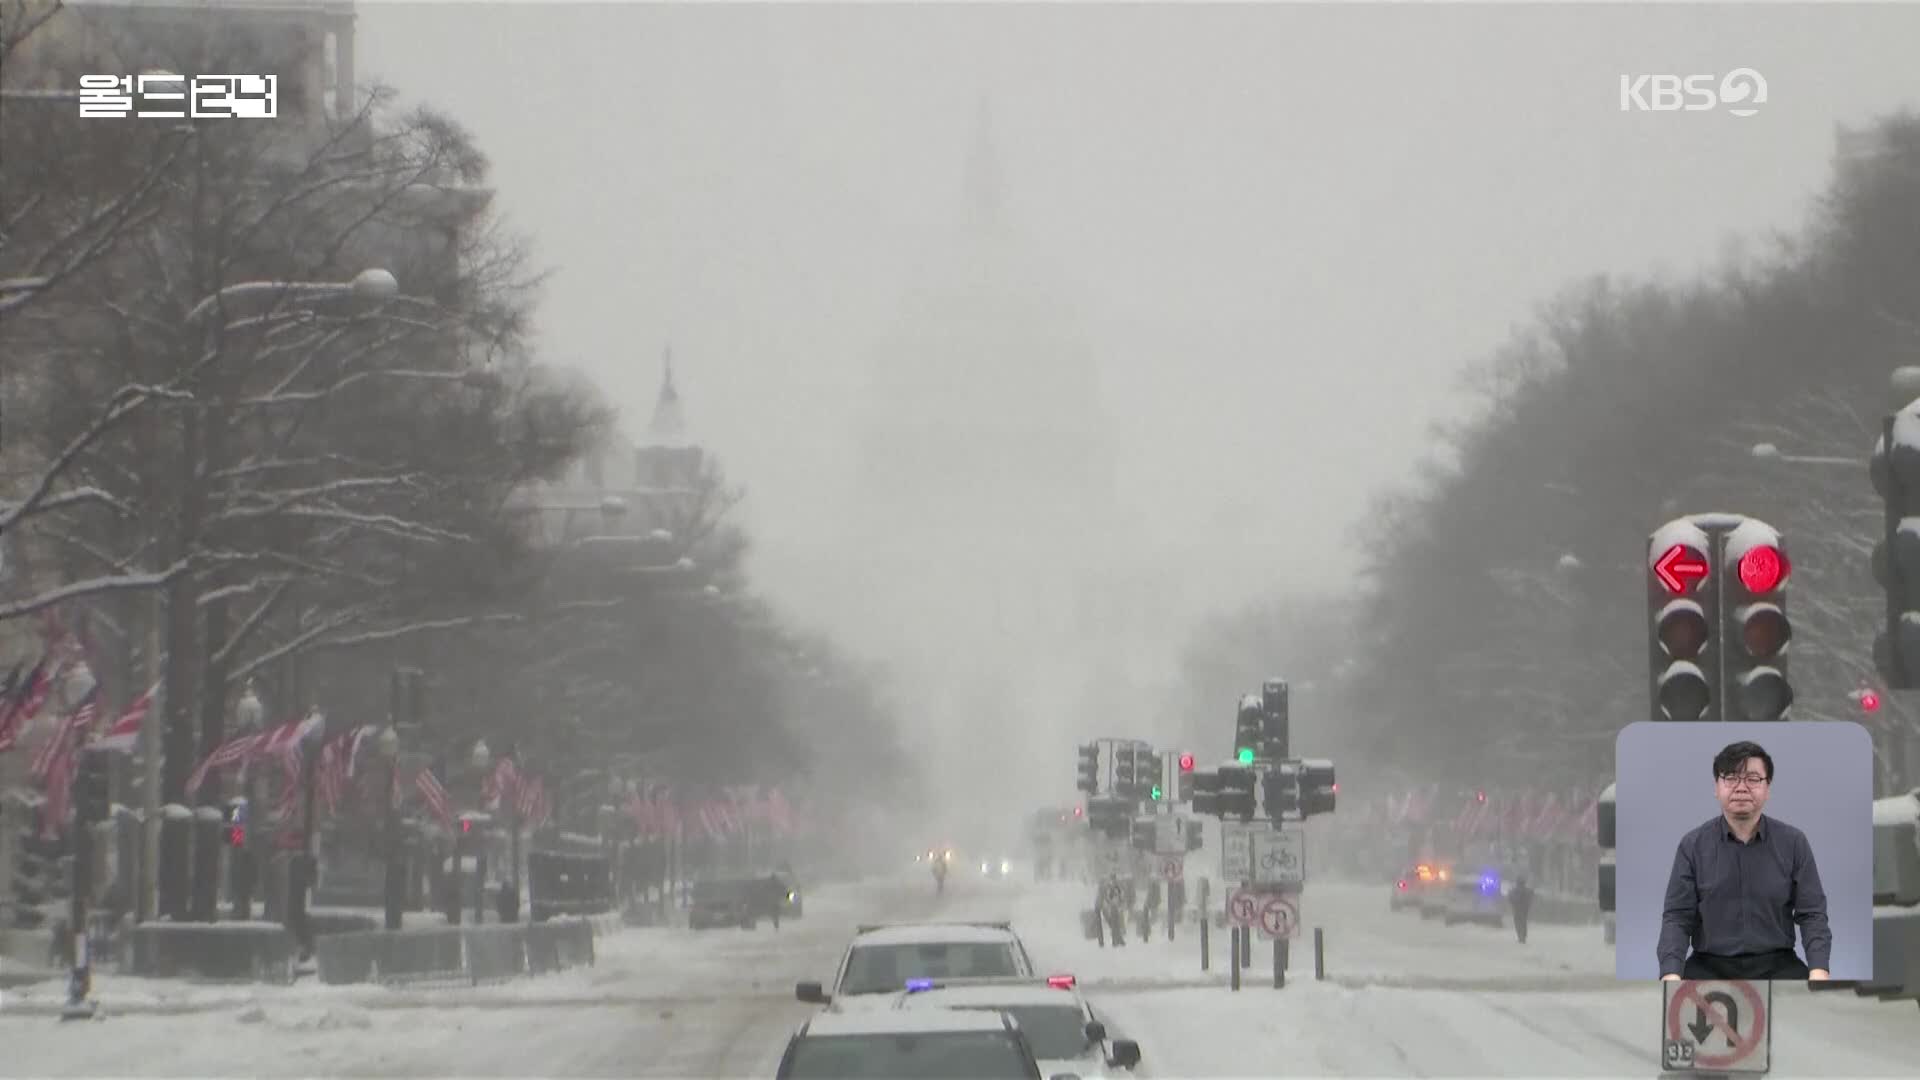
(1740, 884)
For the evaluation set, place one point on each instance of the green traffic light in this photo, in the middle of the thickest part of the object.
(1156, 793)
(1246, 755)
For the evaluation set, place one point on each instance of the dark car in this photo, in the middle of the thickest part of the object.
(793, 905)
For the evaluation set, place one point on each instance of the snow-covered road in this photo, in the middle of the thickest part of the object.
(1403, 998)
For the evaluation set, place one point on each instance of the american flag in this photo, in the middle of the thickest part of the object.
(527, 797)
(435, 795)
(24, 699)
(69, 731)
(124, 736)
(53, 813)
(15, 693)
(502, 783)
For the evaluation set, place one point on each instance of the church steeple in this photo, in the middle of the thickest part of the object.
(983, 171)
(669, 425)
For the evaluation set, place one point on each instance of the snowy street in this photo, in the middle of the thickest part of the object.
(1403, 997)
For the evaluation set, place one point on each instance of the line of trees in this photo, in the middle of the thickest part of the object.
(1502, 631)
(270, 400)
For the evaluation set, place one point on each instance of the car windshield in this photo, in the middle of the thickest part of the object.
(880, 968)
(987, 1055)
(1054, 1031)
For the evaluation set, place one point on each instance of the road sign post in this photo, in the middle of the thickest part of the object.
(1236, 852)
(1717, 1027)
(1279, 915)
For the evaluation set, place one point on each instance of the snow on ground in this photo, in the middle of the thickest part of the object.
(1323, 1029)
(1365, 944)
(658, 1001)
(1404, 998)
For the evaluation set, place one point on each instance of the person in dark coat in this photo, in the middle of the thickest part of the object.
(1113, 905)
(775, 893)
(1520, 898)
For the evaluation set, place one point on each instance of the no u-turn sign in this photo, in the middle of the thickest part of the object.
(1720, 1027)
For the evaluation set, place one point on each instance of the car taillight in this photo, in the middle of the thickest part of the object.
(1403, 884)
(1060, 982)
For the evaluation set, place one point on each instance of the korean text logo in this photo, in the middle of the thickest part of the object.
(1741, 92)
(165, 96)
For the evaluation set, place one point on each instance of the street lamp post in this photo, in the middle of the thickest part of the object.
(395, 883)
(305, 864)
(190, 886)
(481, 759)
(78, 685)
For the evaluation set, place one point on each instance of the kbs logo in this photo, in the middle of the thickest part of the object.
(1740, 91)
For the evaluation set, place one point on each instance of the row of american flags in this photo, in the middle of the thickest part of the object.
(27, 690)
(657, 810)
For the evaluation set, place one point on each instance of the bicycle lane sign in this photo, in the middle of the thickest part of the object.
(1279, 858)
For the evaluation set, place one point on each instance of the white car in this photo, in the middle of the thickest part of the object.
(894, 1045)
(883, 961)
(1066, 1036)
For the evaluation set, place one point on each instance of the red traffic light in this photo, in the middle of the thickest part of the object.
(1480, 796)
(1079, 810)
(1676, 565)
(1186, 762)
(1869, 701)
(1763, 569)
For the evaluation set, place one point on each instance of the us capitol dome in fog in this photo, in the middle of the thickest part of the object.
(982, 507)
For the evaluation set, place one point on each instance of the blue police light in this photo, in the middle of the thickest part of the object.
(1489, 883)
(917, 985)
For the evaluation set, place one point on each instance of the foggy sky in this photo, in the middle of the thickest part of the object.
(1281, 231)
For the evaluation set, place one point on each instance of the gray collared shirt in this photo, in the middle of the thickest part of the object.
(1730, 898)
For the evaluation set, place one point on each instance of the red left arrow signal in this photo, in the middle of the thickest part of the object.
(1676, 566)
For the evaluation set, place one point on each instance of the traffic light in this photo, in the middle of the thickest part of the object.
(1186, 763)
(1276, 724)
(1089, 780)
(236, 821)
(1681, 591)
(1196, 836)
(1110, 816)
(1236, 797)
(1896, 558)
(1143, 834)
(1153, 770)
(1756, 631)
(1281, 788)
(1317, 787)
(1249, 725)
(1206, 793)
(1126, 778)
(1869, 701)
